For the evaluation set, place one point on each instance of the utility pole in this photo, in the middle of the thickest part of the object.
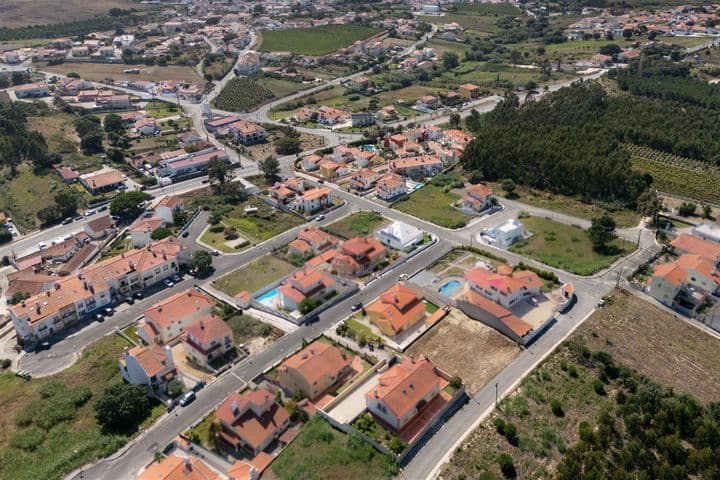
(638, 240)
(496, 395)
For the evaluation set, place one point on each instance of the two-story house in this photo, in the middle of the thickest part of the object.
(207, 338)
(314, 369)
(504, 286)
(306, 283)
(151, 365)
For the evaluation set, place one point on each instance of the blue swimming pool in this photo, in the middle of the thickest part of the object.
(450, 288)
(268, 298)
(368, 148)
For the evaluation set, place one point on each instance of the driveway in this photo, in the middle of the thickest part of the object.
(354, 404)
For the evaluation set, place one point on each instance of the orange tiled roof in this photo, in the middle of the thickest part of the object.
(512, 321)
(479, 190)
(176, 468)
(504, 280)
(152, 358)
(177, 307)
(398, 305)
(317, 360)
(405, 384)
(254, 416)
(207, 328)
(686, 243)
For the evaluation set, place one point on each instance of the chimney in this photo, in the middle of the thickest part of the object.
(188, 465)
(48, 292)
(37, 306)
(169, 357)
(202, 325)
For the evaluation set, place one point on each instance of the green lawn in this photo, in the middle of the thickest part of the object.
(262, 226)
(281, 87)
(158, 109)
(60, 444)
(314, 41)
(217, 241)
(358, 223)
(202, 433)
(567, 247)
(246, 328)
(254, 275)
(432, 204)
(360, 329)
(323, 453)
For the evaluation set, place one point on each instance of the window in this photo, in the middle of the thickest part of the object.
(165, 267)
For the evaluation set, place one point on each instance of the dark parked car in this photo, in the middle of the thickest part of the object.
(138, 295)
(129, 300)
(187, 399)
(185, 234)
(99, 317)
(356, 307)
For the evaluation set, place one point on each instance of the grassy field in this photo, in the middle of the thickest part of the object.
(432, 204)
(483, 24)
(19, 195)
(323, 453)
(220, 67)
(567, 247)
(314, 41)
(20, 13)
(158, 109)
(60, 444)
(358, 223)
(217, 241)
(246, 328)
(637, 335)
(464, 347)
(571, 206)
(262, 226)
(98, 72)
(255, 275)
(241, 94)
(58, 130)
(281, 87)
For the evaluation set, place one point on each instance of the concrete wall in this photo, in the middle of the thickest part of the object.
(477, 313)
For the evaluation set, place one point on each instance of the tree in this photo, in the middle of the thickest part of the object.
(602, 231)
(287, 145)
(627, 34)
(270, 167)
(508, 187)
(687, 209)
(180, 218)
(113, 123)
(707, 212)
(450, 60)
(91, 142)
(454, 120)
(129, 205)
(610, 49)
(307, 305)
(396, 445)
(175, 388)
(507, 467)
(5, 236)
(455, 382)
(650, 205)
(218, 171)
(201, 260)
(122, 407)
(67, 203)
(160, 233)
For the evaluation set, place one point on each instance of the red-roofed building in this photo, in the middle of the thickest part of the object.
(312, 240)
(364, 179)
(390, 186)
(469, 91)
(313, 200)
(478, 197)
(359, 256)
(151, 365)
(173, 467)
(306, 283)
(251, 421)
(314, 369)
(396, 309)
(416, 167)
(504, 286)
(481, 308)
(207, 338)
(685, 282)
(686, 243)
(168, 318)
(403, 391)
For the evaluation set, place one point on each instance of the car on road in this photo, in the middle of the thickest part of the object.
(90, 212)
(216, 253)
(168, 283)
(176, 278)
(321, 180)
(77, 219)
(102, 209)
(129, 300)
(185, 234)
(204, 181)
(187, 399)
(99, 317)
(320, 218)
(67, 221)
(44, 346)
(356, 307)
(42, 245)
(108, 311)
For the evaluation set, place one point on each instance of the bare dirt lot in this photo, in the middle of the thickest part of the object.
(263, 150)
(19, 13)
(97, 72)
(461, 346)
(657, 344)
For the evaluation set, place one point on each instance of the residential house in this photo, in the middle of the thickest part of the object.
(314, 370)
(150, 365)
(311, 162)
(478, 197)
(167, 319)
(468, 91)
(251, 421)
(362, 119)
(332, 116)
(206, 339)
(360, 83)
(690, 244)
(313, 200)
(68, 174)
(396, 309)
(417, 167)
(141, 230)
(167, 207)
(481, 308)
(99, 227)
(387, 114)
(428, 103)
(504, 286)
(34, 90)
(390, 186)
(400, 236)
(312, 240)
(685, 282)
(213, 124)
(364, 179)
(173, 467)
(247, 133)
(190, 163)
(248, 64)
(396, 141)
(508, 233)
(403, 391)
(359, 256)
(102, 181)
(305, 284)
(146, 126)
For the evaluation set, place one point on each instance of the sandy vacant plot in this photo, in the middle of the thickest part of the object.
(98, 72)
(19, 13)
(461, 346)
(657, 344)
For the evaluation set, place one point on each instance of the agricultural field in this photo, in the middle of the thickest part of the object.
(97, 72)
(20, 13)
(314, 41)
(466, 348)
(433, 204)
(355, 224)
(254, 276)
(322, 453)
(217, 66)
(281, 87)
(581, 382)
(567, 247)
(49, 426)
(678, 175)
(242, 94)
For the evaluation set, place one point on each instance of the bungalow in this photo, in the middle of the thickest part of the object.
(166, 319)
(38, 89)
(313, 200)
(206, 339)
(417, 167)
(146, 126)
(402, 391)
(99, 227)
(364, 179)
(428, 102)
(359, 256)
(141, 230)
(314, 369)
(400, 236)
(251, 421)
(311, 162)
(689, 244)
(481, 308)
(332, 116)
(478, 197)
(504, 286)
(387, 113)
(330, 169)
(390, 186)
(312, 240)
(68, 174)
(102, 181)
(396, 309)
(151, 365)
(189, 163)
(305, 284)
(213, 124)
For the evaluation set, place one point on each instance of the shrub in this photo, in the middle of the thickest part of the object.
(507, 467)
(5, 363)
(396, 445)
(598, 386)
(557, 408)
(175, 388)
(28, 439)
